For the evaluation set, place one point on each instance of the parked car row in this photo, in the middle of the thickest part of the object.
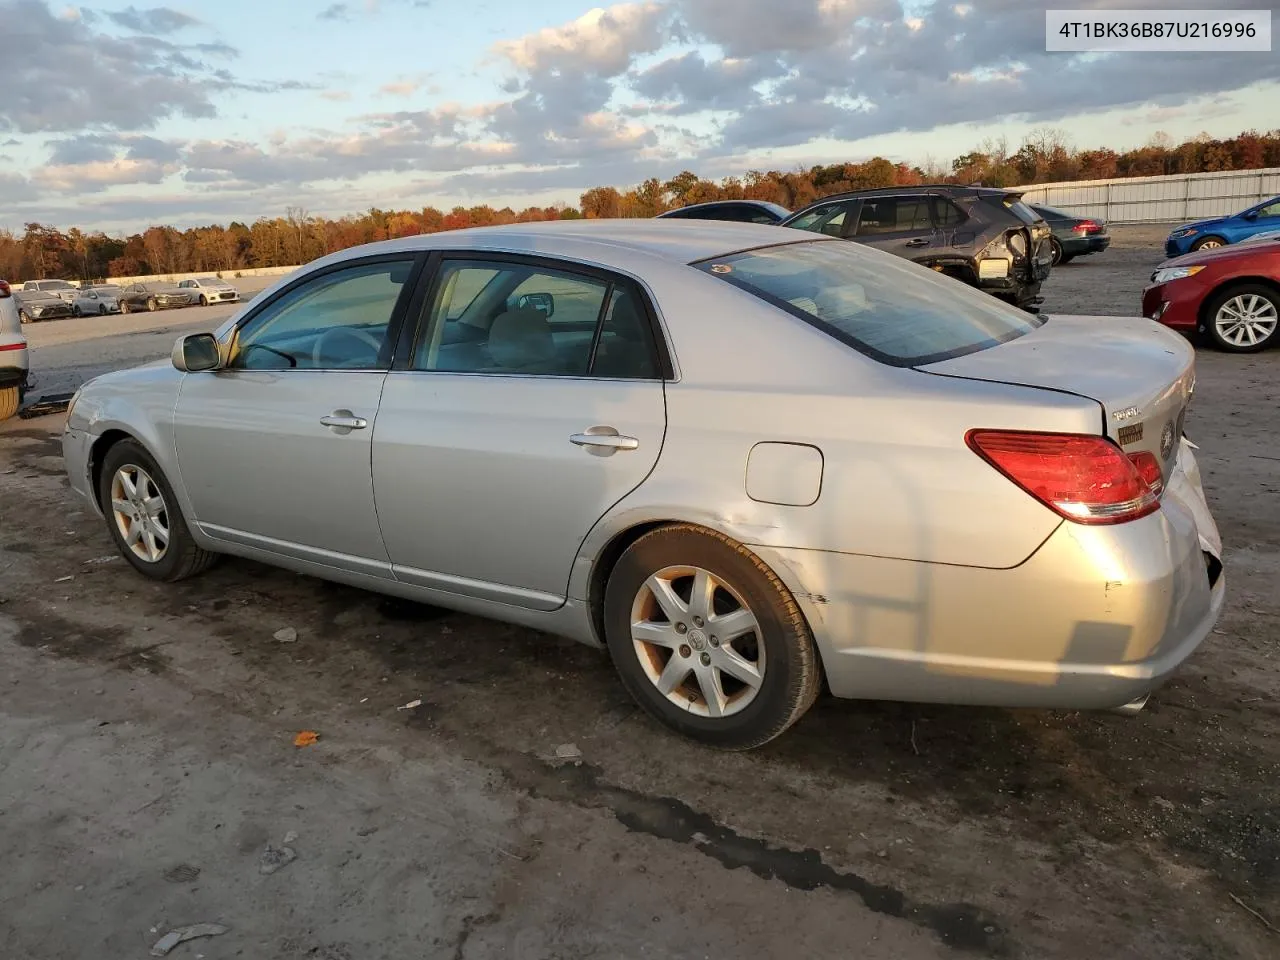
(40, 300)
(1223, 280)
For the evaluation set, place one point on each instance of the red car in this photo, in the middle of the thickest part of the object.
(1231, 293)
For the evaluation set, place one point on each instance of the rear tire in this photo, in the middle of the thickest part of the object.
(152, 306)
(1066, 258)
(734, 691)
(1244, 318)
(1055, 249)
(10, 400)
(181, 557)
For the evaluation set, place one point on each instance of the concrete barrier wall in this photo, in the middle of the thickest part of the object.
(1195, 196)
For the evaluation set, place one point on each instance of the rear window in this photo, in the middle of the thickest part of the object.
(888, 308)
(1021, 210)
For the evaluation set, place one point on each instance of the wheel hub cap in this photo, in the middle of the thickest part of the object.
(1246, 320)
(714, 668)
(140, 513)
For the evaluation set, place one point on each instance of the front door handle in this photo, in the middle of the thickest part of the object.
(344, 420)
(607, 440)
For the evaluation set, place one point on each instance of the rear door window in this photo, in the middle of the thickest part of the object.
(894, 215)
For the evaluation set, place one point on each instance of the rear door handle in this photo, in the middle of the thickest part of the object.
(605, 441)
(343, 420)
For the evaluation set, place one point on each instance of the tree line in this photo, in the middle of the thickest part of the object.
(1045, 156)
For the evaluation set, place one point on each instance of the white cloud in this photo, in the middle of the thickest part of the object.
(601, 41)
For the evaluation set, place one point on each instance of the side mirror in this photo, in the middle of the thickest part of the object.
(197, 352)
(1251, 215)
(545, 302)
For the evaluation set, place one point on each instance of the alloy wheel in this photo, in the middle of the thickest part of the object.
(697, 641)
(140, 513)
(1246, 320)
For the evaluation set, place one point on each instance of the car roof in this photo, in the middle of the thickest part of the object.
(721, 203)
(612, 243)
(951, 189)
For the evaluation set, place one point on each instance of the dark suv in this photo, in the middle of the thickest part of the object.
(983, 236)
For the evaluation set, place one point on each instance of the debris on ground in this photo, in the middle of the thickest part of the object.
(47, 404)
(411, 705)
(290, 837)
(63, 579)
(568, 751)
(305, 738)
(287, 635)
(182, 873)
(273, 858)
(183, 934)
(114, 556)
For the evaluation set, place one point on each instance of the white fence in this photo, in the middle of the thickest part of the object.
(1195, 196)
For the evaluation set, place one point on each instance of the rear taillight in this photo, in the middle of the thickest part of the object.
(1086, 226)
(1083, 478)
(4, 290)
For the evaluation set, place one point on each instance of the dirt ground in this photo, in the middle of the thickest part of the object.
(147, 760)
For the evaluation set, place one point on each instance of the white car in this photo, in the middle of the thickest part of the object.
(13, 355)
(210, 290)
(96, 300)
(58, 288)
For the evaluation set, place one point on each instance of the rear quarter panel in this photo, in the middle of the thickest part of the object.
(898, 480)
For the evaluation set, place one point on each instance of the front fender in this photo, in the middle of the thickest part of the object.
(138, 404)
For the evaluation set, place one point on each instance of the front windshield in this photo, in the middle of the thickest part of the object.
(891, 309)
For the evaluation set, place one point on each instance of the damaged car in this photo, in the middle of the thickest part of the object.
(985, 237)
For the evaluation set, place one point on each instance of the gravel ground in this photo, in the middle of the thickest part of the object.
(147, 731)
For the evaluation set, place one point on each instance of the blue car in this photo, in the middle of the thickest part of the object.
(1206, 234)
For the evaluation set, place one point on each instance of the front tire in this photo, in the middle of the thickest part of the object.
(10, 400)
(152, 306)
(1055, 249)
(204, 301)
(708, 640)
(75, 311)
(1208, 243)
(124, 306)
(102, 310)
(143, 516)
(1244, 318)
(23, 316)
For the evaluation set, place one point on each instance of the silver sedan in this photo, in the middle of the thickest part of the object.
(751, 462)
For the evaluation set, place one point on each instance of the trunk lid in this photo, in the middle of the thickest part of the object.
(1141, 374)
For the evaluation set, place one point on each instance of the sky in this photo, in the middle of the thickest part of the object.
(116, 116)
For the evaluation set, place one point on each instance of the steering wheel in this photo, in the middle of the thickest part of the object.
(317, 351)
